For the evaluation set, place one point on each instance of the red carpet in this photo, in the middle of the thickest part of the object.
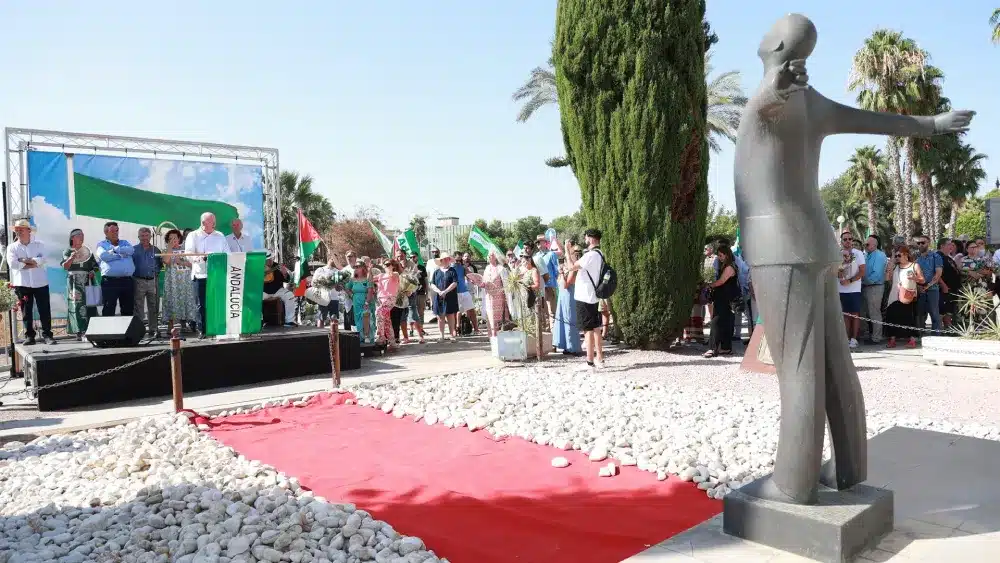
(470, 498)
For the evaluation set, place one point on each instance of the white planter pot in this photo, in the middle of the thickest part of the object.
(516, 346)
(944, 350)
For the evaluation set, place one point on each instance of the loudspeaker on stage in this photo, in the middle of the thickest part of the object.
(115, 332)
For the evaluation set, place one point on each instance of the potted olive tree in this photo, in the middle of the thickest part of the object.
(978, 342)
(519, 343)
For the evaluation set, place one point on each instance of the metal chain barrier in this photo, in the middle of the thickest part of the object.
(87, 377)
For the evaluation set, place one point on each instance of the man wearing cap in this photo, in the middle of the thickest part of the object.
(201, 243)
(547, 262)
(26, 259)
(117, 268)
(275, 277)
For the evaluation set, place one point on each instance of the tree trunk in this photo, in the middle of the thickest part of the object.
(634, 128)
(908, 191)
(935, 201)
(872, 225)
(926, 191)
(953, 217)
(892, 158)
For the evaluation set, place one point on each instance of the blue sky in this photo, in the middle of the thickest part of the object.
(406, 105)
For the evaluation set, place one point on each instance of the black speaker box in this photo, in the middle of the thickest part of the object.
(115, 332)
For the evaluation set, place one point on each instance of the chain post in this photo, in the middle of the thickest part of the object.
(335, 351)
(539, 329)
(176, 377)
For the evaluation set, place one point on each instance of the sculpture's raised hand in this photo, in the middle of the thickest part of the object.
(953, 121)
(790, 77)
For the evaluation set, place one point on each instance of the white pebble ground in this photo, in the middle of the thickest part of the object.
(712, 435)
(157, 490)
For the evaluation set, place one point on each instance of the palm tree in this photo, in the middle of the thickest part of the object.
(995, 22)
(725, 103)
(884, 73)
(297, 193)
(921, 153)
(960, 173)
(868, 179)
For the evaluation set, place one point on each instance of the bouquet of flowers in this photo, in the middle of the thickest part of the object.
(408, 283)
(8, 299)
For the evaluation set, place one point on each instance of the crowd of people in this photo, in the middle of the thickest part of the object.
(121, 278)
(387, 300)
(883, 296)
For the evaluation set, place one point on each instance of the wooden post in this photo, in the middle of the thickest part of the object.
(540, 315)
(175, 369)
(335, 352)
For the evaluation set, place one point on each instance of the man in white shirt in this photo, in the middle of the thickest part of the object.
(238, 242)
(851, 272)
(204, 241)
(26, 258)
(588, 316)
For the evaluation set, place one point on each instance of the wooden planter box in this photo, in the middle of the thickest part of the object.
(944, 350)
(515, 345)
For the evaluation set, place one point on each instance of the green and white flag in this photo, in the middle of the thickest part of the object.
(519, 249)
(234, 293)
(407, 241)
(737, 249)
(483, 244)
(383, 240)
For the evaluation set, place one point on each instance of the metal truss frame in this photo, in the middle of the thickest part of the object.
(17, 143)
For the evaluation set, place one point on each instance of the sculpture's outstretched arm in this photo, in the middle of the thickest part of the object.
(838, 118)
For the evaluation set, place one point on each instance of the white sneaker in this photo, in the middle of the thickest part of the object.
(852, 344)
(599, 365)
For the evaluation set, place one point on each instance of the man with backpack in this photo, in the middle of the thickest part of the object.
(596, 281)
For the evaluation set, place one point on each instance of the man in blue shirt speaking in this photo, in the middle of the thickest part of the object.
(872, 289)
(115, 258)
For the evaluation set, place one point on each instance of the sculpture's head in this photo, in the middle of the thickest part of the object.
(791, 38)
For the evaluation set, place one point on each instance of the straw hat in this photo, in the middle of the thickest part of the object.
(21, 224)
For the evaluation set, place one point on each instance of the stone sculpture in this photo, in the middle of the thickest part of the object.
(786, 240)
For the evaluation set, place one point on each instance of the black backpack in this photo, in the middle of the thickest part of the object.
(607, 283)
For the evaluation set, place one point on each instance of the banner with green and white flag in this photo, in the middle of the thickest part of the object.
(737, 249)
(483, 244)
(407, 241)
(234, 293)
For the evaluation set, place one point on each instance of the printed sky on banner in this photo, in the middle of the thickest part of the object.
(138, 192)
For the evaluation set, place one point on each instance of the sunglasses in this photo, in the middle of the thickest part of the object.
(921, 243)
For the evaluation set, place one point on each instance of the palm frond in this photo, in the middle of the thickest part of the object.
(539, 91)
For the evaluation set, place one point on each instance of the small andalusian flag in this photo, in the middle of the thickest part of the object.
(309, 241)
(483, 244)
(386, 243)
(519, 249)
(737, 250)
(234, 292)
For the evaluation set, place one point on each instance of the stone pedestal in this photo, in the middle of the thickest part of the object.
(837, 529)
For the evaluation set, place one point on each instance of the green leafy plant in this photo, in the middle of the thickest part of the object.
(708, 274)
(974, 304)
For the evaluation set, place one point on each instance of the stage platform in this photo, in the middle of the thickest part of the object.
(274, 354)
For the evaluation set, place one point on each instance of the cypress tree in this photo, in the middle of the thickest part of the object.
(631, 83)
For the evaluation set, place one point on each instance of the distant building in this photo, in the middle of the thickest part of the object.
(446, 234)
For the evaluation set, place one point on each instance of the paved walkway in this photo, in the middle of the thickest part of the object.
(947, 507)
